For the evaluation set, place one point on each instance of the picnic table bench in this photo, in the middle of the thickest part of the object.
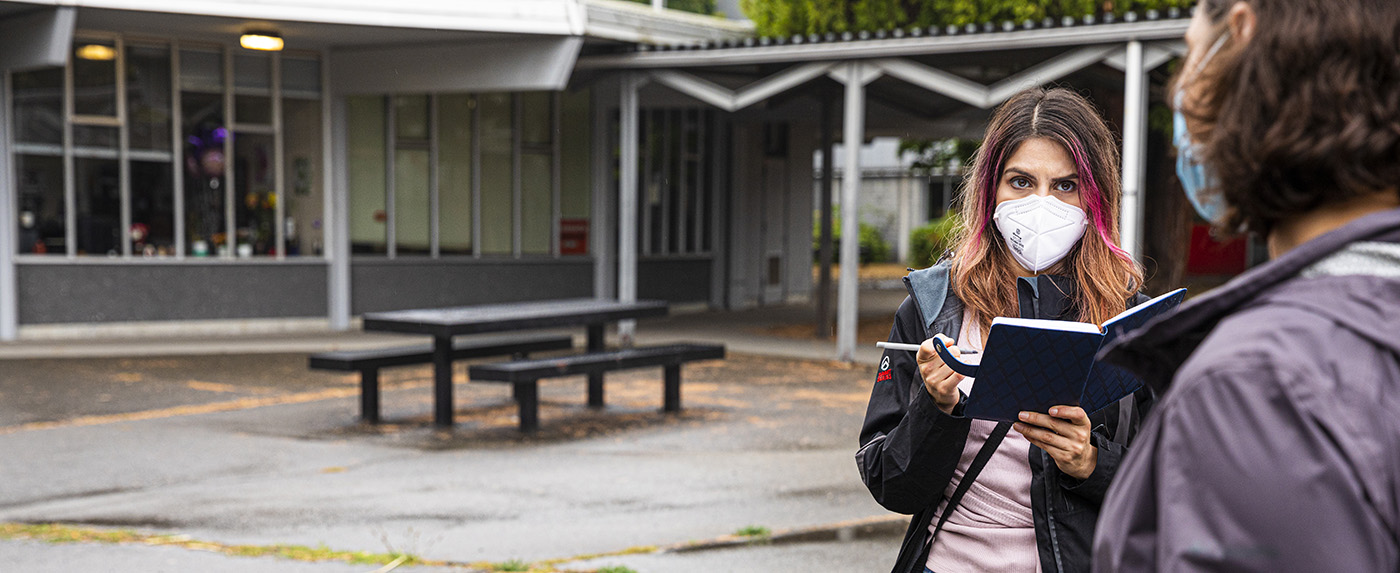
(525, 374)
(369, 362)
(444, 323)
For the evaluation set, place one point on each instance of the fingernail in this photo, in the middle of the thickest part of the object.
(1054, 411)
(1025, 416)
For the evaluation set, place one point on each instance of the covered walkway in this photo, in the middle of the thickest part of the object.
(907, 83)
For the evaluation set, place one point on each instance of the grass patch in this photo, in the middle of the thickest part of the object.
(58, 533)
(753, 531)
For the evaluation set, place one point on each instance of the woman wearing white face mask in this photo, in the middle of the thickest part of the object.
(1038, 240)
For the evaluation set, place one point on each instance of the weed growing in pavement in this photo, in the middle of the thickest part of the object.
(754, 531)
(617, 569)
(512, 565)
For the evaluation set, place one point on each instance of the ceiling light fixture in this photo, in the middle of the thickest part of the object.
(97, 52)
(265, 40)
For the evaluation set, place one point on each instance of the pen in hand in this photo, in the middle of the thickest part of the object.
(914, 347)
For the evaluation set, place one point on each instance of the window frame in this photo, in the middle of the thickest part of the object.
(124, 155)
(518, 148)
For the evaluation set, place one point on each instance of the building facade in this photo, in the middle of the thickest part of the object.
(162, 170)
(160, 176)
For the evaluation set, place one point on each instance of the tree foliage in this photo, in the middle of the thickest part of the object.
(805, 17)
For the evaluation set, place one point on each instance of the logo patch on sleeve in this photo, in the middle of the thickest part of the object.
(885, 373)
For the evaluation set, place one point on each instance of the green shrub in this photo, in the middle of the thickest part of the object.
(873, 246)
(928, 242)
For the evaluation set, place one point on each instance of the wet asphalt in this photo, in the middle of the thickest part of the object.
(255, 449)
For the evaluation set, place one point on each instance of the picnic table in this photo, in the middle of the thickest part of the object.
(444, 323)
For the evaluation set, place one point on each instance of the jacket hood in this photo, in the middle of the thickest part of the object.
(1351, 275)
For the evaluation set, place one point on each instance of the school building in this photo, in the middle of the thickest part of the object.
(220, 166)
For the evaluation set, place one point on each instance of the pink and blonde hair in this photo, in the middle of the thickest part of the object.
(984, 274)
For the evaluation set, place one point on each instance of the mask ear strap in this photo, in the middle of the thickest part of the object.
(1196, 71)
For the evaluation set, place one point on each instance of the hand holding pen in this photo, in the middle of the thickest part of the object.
(940, 381)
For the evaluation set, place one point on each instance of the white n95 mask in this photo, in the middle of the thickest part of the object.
(1040, 229)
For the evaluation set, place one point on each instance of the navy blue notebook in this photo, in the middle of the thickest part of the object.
(1033, 364)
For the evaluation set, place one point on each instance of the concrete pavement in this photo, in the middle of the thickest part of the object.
(254, 449)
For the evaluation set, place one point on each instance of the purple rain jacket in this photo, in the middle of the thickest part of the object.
(1276, 443)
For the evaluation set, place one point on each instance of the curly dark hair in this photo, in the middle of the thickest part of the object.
(1305, 114)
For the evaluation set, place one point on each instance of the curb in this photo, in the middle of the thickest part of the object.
(843, 531)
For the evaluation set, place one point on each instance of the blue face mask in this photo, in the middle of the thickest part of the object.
(1195, 179)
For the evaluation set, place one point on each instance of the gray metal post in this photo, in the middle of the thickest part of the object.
(9, 321)
(600, 235)
(627, 206)
(1134, 146)
(824, 251)
(335, 123)
(906, 215)
(853, 131)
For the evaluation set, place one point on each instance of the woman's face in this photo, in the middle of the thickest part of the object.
(1040, 166)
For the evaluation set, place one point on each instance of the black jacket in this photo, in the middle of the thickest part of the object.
(910, 448)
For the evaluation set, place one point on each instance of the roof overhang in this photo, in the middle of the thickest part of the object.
(518, 64)
(641, 24)
(801, 50)
(36, 39)
(548, 17)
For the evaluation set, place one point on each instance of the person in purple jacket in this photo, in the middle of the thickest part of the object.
(1275, 445)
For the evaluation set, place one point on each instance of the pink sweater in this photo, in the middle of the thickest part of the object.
(992, 528)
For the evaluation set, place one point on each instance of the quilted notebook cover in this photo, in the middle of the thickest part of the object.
(1108, 383)
(1030, 368)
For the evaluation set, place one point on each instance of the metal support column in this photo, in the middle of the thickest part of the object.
(824, 251)
(906, 217)
(9, 321)
(336, 173)
(1134, 148)
(853, 132)
(627, 205)
(601, 240)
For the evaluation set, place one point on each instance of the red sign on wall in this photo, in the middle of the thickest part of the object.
(573, 236)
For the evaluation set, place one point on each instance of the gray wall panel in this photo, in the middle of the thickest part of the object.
(379, 285)
(675, 280)
(79, 293)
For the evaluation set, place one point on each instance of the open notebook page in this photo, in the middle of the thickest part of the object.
(1065, 325)
(1150, 305)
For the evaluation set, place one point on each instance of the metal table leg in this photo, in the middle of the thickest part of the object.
(595, 381)
(442, 380)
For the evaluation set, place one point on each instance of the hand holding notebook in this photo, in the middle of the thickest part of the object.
(1033, 364)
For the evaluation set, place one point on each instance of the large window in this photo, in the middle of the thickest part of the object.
(470, 174)
(151, 149)
(675, 214)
